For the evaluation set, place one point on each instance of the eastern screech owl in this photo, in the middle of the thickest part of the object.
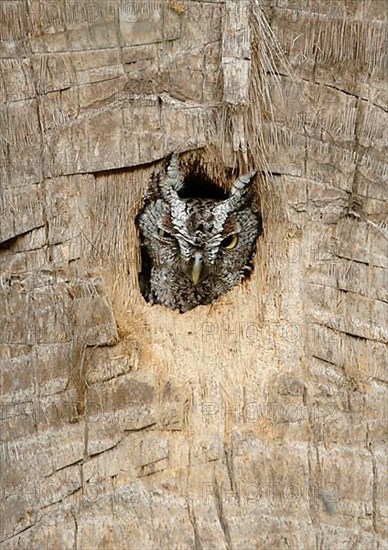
(195, 249)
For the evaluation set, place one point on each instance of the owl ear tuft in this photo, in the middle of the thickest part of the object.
(239, 189)
(173, 180)
(242, 183)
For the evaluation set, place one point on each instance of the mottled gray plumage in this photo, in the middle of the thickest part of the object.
(196, 248)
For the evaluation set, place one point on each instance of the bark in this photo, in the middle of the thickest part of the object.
(258, 421)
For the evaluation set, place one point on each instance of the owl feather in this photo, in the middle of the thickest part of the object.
(195, 249)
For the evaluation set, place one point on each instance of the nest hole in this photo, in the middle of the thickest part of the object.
(198, 185)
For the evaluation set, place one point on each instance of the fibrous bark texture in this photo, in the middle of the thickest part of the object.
(257, 421)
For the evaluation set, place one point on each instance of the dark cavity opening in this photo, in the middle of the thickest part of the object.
(197, 185)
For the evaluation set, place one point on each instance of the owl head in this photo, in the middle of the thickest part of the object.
(195, 248)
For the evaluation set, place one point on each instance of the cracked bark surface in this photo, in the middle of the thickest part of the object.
(258, 421)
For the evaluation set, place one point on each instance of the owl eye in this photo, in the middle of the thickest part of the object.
(230, 242)
(164, 234)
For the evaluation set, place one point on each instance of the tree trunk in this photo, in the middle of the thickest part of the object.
(257, 421)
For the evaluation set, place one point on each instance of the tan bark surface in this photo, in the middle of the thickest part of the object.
(258, 421)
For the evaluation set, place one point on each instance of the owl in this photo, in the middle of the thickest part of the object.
(194, 249)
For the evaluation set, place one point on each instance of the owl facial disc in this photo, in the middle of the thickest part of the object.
(195, 248)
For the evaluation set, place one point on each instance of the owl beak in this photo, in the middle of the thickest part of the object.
(197, 268)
